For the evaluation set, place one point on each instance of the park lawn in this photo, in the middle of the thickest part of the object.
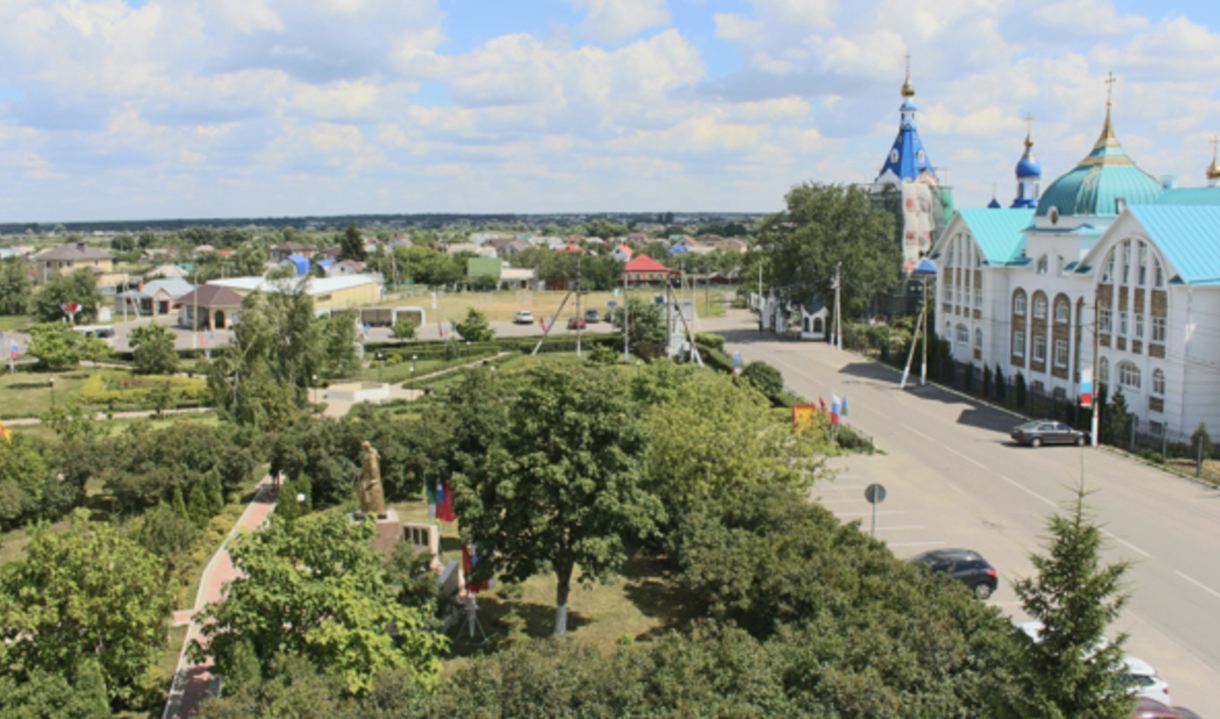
(114, 427)
(10, 323)
(642, 602)
(503, 306)
(28, 394)
(401, 371)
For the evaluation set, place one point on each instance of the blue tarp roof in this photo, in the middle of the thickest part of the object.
(300, 262)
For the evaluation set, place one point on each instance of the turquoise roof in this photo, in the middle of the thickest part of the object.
(1187, 236)
(1191, 196)
(1000, 234)
(1094, 186)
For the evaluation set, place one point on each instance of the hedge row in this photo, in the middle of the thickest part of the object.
(436, 349)
(106, 388)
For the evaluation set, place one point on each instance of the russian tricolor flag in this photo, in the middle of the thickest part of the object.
(835, 407)
(1086, 387)
(470, 558)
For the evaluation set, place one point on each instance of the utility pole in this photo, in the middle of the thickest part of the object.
(1095, 421)
(195, 315)
(911, 356)
(626, 316)
(580, 320)
(838, 310)
(923, 369)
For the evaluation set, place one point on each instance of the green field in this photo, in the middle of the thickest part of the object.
(503, 306)
(28, 394)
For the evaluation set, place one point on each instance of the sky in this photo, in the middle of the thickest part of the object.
(141, 109)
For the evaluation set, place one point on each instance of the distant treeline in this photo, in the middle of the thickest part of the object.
(338, 222)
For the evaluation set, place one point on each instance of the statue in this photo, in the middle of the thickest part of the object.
(372, 496)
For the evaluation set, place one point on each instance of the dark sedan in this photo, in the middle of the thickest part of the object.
(1040, 432)
(965, 566)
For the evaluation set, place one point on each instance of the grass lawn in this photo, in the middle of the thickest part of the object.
(9, 323)
(401, 372)
(114, 427)
(503, 306)
(643, 602)
(28, 394)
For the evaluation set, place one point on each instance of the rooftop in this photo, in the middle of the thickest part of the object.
(76, 251)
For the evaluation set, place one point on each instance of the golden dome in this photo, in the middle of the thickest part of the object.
(1213, 172)
(908, 90)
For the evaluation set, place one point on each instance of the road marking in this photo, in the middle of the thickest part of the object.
(1123, 541)
(915, 431)
(1023, 488)
(909, 544)
(1200, 585)
(973, 461)
(867, 514)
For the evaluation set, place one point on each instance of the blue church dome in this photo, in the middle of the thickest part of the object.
(994, 204)
(1095, 185)
(1029, 168)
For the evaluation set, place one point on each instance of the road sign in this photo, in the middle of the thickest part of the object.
(875, 494)
(612, 304)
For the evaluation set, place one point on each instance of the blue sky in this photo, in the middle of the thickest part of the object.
(205, 108)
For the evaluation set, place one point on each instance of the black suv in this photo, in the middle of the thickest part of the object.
(965, 566)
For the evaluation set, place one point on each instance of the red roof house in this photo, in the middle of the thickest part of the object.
(642, 269)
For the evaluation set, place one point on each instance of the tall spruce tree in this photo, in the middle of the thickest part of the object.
(351, 247)
(1071, 672)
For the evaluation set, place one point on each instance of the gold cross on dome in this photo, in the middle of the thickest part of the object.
(1110, 80)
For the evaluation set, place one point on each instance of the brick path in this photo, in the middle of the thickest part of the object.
(194, 682)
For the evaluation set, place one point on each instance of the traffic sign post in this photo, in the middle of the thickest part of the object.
(875, 494)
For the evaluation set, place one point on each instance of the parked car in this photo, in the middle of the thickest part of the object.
(524, 317)
(966, 566)
(1143, 680)
(592, 317)
(1153, 709)
(576, 323)
(1034, 629)
(1040, 432)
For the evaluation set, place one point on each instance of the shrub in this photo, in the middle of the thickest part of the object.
(705, 339)
(118, 387)
(1201, 435)
(765, 378)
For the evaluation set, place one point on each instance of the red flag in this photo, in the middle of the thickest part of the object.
(444, 510)
(821, 405)
(469, 559)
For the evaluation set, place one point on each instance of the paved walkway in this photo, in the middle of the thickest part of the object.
(117, 415)
(195, 682)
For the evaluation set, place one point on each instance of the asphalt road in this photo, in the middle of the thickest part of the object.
(954, 479)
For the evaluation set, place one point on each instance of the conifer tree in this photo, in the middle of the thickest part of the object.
(215, 492)
(305, 486)
(288, 507)
(1070, 672)
(1001, 389)
(179, 504)
(197, 506)
(240, 666)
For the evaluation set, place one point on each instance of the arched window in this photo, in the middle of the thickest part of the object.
(1128, 375)
(1160, 273)
(1040, 306)
(1127, 262)
(978, 339)
(1103, 370)
(1063, 310)
(1043, 264)
(1158, 382)
(963, 335)
(1107, 272)
(1018, 303)
(1143, 271)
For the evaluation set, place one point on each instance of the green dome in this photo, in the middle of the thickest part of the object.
(1095, 185)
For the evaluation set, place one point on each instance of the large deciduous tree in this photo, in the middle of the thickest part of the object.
(56, 345)
(825, 225)
(79, 287)
(1071, 671)
(87, 592)
(316, 588)
(563, 487)
(153, 349)
(15, 286)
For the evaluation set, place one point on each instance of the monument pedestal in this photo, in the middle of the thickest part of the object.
(389, 531)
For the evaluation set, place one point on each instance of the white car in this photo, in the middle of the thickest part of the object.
(524, 317)
(1144, 681)
(1136, 673)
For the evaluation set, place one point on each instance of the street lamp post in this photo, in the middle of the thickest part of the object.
(315, 389)
(637, 367)
(379, 364)
(52, 391)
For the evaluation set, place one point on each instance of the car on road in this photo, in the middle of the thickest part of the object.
(576, 323)
(1040, 432)
(1143, 680)
(524, 317)
(592, 317)
(965, 566)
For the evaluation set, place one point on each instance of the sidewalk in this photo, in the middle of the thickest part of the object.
(194, 682)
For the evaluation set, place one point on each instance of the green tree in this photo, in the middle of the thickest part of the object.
(47, 695)
(404, 329)
(162, 397)
(179, 504)
(16, 285)
(288, 507)
(563, 489)
(305, 487)
(250, 260)
(1001, 387)
(475, 328)
(340, 340)
(1118, 418)
(987, 381)
(90, 592)
(1201, 437)
(153, 349)
(26, 484)
(645, 322)
(1020, 390)
(351, 247)
(56, 345)
(715, 441)
(764, 378)
(197, 506)
(79, 287)
(825, 226)
(215, 491)
(317, 589)
(1071, 670)
(605, 229)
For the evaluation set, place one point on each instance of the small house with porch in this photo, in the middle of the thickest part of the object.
(208, 307)
(643, 270)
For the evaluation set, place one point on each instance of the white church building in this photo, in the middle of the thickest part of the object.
(1107, 248)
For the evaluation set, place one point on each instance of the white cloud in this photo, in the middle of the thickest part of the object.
(616, 20)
